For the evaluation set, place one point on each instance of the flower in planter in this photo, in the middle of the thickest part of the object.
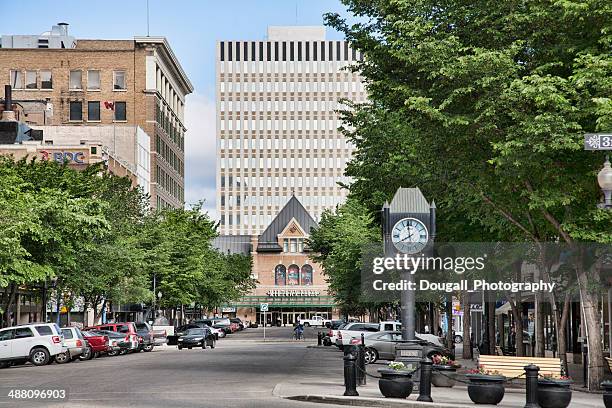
(397, 366)
(552, 378)
(481, 370)
(444, 361)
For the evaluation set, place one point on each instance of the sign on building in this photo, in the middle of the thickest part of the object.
(598, 141)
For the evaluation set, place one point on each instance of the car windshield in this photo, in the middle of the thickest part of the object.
(199, 332)
(142, 326)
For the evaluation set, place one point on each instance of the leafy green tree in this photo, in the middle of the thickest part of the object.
(491, 100)
(338, 245)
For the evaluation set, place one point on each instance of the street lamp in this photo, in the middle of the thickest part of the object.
(604, 178)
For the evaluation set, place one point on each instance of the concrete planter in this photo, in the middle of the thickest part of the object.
(554, 393)
(486, 389)
(395, 383)
(443, 376)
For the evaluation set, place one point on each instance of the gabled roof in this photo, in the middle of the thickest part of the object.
(409, 200)
(268, 240)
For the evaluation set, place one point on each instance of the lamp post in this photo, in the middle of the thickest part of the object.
(604, 179)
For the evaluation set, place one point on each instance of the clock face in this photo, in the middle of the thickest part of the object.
(409, 236)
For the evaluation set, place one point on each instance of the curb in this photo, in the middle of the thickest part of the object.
(372, 402)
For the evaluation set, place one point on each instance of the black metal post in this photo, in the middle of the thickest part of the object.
(361, 380)
(319, 339)
(350, 380)
(531, 383)
(362, 339)
(425, 383)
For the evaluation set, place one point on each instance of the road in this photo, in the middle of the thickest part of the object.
(241, 371)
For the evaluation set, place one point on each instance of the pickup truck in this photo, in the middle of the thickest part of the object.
(315, 321)
(345, 334)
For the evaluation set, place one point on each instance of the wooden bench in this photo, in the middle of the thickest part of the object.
(609, 361)
(510, 366)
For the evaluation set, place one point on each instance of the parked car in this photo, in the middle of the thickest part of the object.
(118, 342)
(160, 337)
(74, 342)
(334, 324)
(316, 321)
(128, 329)
(146, 339)
(196, 337)
(238, 322)
(34, 342)
(96, 343)
(354, 330)
(381, 345)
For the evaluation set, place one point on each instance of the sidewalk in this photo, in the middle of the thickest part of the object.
(330, 392)
(328, 388)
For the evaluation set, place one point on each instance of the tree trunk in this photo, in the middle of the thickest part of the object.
(539, 326)
(450, 340)
(467, 344)
(517, 313)
(7, 305)
(491, 326)
(562, 335)
(590, 308)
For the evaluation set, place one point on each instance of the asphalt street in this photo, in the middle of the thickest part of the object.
(241, 371)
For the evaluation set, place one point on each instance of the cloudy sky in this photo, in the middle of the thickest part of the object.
(192, 28)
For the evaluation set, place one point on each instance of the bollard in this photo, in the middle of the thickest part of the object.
(319, 339)
(531, 383)
(361, 366)
(362, 339)
(350, 380)
(425, 384)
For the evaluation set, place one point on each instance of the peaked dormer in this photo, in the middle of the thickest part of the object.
(286, 233)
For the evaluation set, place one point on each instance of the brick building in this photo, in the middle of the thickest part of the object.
(59, 80)
(287, 279)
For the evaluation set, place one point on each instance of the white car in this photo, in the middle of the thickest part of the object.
(34, 342)
(75, 344)
(220, 333)
(354, 330)
(314, 321)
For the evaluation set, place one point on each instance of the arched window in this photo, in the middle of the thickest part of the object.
(306, 275)
(293, 275)
(280, 275)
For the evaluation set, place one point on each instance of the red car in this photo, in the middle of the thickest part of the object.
(128, 329)
(97, 345)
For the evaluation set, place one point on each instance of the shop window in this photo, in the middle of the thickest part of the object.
(280, 275)
(306, 275)
(293, 275)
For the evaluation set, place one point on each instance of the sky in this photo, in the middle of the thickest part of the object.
(192, 28)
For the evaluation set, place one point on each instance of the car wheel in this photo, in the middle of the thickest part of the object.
(189, 348)
(86, 355)
(180, 347)
(306, 324)
(62, 358)
(39, 356)
(148, 348)
(112, 353)
(5, 364)
(458, 339)
(370, 355)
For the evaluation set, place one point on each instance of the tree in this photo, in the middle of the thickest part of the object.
(338, 244)
(494, 98)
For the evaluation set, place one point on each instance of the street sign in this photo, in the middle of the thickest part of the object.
(263, 307)
(598, 141)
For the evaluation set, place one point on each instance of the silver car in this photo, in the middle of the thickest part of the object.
(381, 345)
(75, 344)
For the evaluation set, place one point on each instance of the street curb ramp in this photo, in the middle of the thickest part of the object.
(372, 402)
